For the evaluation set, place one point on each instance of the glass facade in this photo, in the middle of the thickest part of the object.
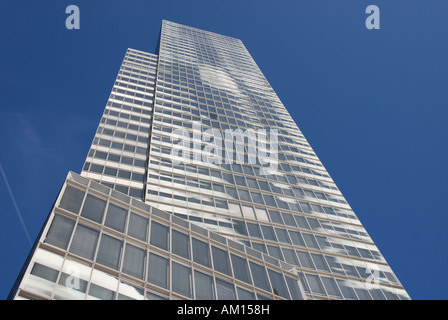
(200, 185)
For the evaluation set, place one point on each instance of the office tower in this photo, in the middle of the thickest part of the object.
(199, 185)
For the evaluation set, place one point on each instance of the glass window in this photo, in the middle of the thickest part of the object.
(158, 271)
(181, 277)
(268, 233)
(116, 217)
(100, 292)
(221, 261)
(310, 241)
(84, 242)
(240, 269)
(93, 208)
(159, 235)
(296, 238)
(274, 251)
(278, 284)
(180, 244)
(72, 199)
(320, 262)
(290, 256)
(346, 290)
(138, 227)
(332, 287)
(315, 284)
(204, 287)
(109, 251)
(305, 259)
(244, 294)
(254, 230)
(225, 290)
(60, 231)
(201, 253)
(294, 288)
(282, 235)
(260, 277)
(134, 261)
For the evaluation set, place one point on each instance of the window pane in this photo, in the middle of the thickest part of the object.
(260, 276)
(278, 284)
(254, 230)
(203, 285)
(181, 277)
(158, 270)
(294, 289)
(138, 227)
(93, 208)
(72, 199)
(134, 261)
(116, 217)
(225, 290)
(109, 252)
(201, 253)
(181, 244)
(290, 256)
(240, 268)
(84, 242)
(332, 287)
(315, 284)
(221, 261)
(60, 232)
(305, 259)
(319, 261)
(268, 233)
(244, 294)
(159, 235)
(100, 292)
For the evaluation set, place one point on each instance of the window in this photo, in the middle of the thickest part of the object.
(60, 232)
(260, 277)
(181, 244)
(201, 253)
(181, 277)
(134, 261)
(225, 290)
(138, 227)
(204, 287)
(278, 284)
(315, 284)
(159, 235)
(244, 294)
(116, 217)
(72, 199)
(158, 271)
(93, 208)
(240, 268)
(268, 233)
(221, 261)
(109, 251)
(84, 242)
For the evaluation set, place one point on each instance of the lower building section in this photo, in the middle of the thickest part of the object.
(101, 244)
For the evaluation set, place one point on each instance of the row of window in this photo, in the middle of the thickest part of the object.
(117, 158)
(122, 135)
(114, 172)
(119, 146)
(231, 181)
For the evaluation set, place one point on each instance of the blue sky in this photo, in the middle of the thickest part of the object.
(372, 103)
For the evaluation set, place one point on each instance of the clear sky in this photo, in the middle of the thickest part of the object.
(372, 103)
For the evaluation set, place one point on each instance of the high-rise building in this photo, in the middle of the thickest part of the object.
(200, 185)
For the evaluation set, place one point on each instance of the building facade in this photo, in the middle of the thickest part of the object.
(200, 185)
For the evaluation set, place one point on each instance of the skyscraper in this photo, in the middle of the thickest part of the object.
(200, 185)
